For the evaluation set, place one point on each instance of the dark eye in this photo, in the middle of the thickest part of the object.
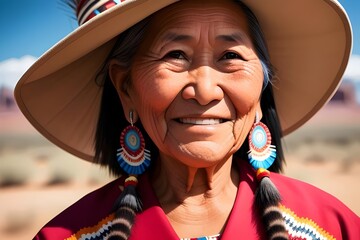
(231, 55)
(176, 55)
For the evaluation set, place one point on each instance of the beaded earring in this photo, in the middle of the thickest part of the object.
(132, 156)
(261, 153)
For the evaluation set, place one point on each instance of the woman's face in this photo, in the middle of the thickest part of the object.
(196, 81)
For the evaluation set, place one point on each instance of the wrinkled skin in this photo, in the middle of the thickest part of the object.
(195, 84)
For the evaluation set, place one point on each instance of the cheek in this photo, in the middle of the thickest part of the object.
(245, 89)
(155, 85)
(153, 91)
(244, 94)
(246, 102)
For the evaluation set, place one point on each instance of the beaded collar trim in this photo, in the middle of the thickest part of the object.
(299, 228)
(97, 232)
(103, 228)
(87, 9)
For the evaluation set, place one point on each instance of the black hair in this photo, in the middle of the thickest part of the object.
(268, 107)
(267, 196)
(112, 121)
(110, 124)
(111, 117)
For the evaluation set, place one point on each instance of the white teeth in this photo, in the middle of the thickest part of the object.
(209, 121)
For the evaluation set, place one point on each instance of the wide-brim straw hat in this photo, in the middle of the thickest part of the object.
(309, 43)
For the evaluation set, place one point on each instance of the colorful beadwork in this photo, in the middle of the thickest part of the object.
(132, 180)
(132, 156)
(261, 173)
(299, 228)
(303, 228)
(88, 9)
(102, 229)
(97, 232)
(215, 237)
(261, 154)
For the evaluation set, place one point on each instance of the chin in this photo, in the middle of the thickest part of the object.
(200, 156)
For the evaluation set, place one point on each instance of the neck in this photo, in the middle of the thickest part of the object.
(198, 197)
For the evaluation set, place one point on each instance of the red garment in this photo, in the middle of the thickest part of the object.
(303, 206)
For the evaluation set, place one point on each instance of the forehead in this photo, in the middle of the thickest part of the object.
(187, 14)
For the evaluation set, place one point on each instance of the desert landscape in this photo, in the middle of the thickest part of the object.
(38, 180)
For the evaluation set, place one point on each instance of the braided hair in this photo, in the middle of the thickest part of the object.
(110, 124)
(267, 196)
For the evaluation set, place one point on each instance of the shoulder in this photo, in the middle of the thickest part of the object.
(90, 211)
(306, 205)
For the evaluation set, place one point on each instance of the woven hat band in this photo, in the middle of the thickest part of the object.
(87, 9)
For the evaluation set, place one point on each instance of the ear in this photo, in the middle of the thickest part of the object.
(119, 77)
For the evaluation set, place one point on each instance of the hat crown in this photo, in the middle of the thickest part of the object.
(87, 9)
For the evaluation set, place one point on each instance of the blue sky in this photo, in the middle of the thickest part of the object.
(30, 27)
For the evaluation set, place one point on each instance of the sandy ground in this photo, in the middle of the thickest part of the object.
(38, 180)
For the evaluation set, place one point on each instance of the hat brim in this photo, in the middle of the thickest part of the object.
(309, 43)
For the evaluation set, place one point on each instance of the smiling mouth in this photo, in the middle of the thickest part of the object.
(200, 121)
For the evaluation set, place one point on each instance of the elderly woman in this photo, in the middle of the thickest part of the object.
(187, 105)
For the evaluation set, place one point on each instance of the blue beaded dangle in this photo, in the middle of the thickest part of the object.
(261, 154)
(132, 156)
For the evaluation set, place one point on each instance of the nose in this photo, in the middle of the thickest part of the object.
(203, 86)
